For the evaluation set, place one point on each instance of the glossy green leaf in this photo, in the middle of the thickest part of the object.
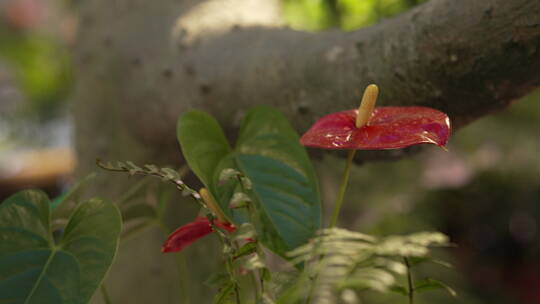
(267, 132)
(270, 156)
(283, 179)
(35, 269)
(203, 143)
(286, 200)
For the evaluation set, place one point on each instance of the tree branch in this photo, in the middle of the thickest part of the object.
(466, 58)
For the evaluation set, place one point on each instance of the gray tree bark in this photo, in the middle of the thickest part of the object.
(140, 63)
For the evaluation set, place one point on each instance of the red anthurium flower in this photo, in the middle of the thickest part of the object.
(370, 128)
(388, 128)
(189, 233)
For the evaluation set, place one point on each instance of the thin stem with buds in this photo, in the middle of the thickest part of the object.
(410, 283)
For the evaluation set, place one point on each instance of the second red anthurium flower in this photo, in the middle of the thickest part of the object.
(370, 128)
(199, 228)
(191, 232)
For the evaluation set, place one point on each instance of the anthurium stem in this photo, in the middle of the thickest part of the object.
(342, 188)
(410, 282)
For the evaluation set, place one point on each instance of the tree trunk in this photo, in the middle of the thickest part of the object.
(140, 64)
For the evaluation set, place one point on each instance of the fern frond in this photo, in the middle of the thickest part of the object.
(338, 259)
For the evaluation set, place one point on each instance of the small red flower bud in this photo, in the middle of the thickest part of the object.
(189, 233)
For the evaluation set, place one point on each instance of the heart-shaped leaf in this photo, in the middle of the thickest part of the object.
(284, 181)
(36, 269)
(269, 154)
(203, 144)
(286, 200)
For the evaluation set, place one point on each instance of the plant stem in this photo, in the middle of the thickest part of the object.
(255, 282)
(342, 188)
(230, 270)
(229, 260)
(311, 290)
(260, 274)
(105, 294)
(237, 293)
(409, 281)
(259, 288)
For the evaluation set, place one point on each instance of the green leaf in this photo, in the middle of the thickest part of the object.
(283, 179)
(33, 269)
(287, 202)
(266, 275)
(203, 144)
(270, 157)
(431, 284)
(399, 289)
(267, 132)
(342, 258)
(224, 296)
(247, 249)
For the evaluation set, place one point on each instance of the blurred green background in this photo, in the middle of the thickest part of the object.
(484, 192)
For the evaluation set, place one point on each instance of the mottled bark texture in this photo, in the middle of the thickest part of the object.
(140, 63)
